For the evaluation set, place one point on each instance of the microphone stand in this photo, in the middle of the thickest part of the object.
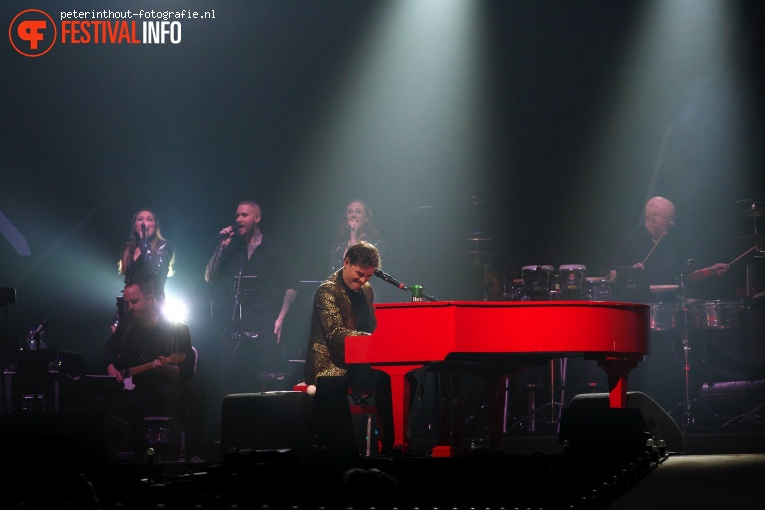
(687, 419)
(237, 289)
(236, 316)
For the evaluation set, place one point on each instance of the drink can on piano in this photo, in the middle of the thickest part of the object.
(416, 292)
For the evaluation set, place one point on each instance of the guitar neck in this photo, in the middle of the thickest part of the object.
(130, 372)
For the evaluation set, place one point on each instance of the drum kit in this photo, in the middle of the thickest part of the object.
(688, 317)
(673, 311)
(568, 283)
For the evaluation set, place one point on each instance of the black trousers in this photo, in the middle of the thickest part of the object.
(332, 422)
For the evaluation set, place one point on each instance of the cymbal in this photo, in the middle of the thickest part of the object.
(481, 253)
(755, 210)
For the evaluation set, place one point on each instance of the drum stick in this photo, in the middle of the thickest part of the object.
(747, 251)
(654, 247)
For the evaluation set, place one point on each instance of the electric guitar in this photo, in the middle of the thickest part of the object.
(128, 373)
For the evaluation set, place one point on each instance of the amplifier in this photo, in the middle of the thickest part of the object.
(35, 363)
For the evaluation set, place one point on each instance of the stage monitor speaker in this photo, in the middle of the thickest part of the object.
(603, 430)
(659, 424)
(87, 440)
(271, 420)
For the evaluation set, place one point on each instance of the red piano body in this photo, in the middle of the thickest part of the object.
(413, 335)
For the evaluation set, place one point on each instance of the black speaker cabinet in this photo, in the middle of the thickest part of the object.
(652, 416)
(271, 420)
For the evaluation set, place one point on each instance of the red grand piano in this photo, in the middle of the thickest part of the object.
(413, 335)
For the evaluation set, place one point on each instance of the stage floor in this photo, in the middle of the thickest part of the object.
(717, 471)
(69, 461)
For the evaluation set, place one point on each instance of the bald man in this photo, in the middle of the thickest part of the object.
(660, 259)
(651, 248)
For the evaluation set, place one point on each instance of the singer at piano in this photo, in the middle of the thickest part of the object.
(145, 256)
(155, 354)
(343, 306)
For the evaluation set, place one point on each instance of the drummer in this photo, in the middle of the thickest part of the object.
(651, 248)
(658, 258)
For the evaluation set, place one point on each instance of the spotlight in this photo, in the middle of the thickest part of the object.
(175, 310)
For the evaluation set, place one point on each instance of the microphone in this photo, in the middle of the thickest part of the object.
(233, 235)
(388, 278)
(224, 235)
(144, 240)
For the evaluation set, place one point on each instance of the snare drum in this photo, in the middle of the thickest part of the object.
(599, 289)
(572, 278)
(717, 314)
(666, 316)
(537, 281)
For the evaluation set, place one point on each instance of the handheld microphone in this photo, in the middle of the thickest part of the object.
(388, 278)
(143, 230)
(224, 235)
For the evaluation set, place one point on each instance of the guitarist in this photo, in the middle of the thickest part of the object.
(152, 356)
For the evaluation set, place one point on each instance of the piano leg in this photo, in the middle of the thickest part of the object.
(400, 392)
(617, 370)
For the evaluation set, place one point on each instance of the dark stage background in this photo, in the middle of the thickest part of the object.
(549, 145)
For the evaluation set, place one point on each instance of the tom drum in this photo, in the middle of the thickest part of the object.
(537, 282)
(599, 289)
(572, 281)
(666, 316)
(717, 314)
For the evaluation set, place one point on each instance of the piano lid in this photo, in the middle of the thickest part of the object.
(427, 332)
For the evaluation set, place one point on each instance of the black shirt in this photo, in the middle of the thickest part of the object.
(663, 266)
(266, 277)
